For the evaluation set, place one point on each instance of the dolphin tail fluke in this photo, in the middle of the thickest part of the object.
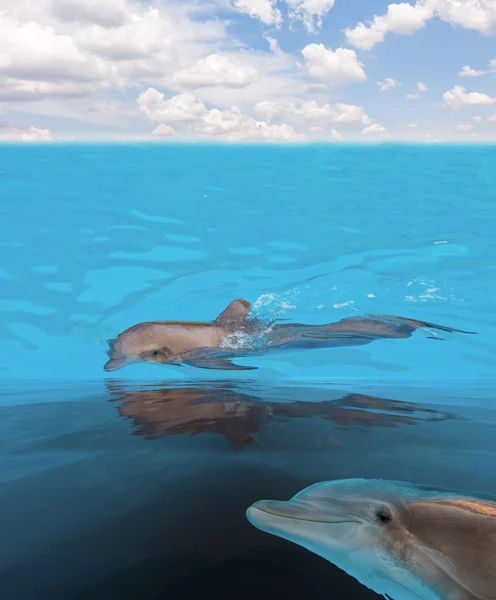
(416, 324)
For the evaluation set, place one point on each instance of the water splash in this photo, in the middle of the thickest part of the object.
(422, 291)
(275, 305)
(240, 340)
(266, 311)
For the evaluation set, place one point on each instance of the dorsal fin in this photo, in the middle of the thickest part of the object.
(235, 313)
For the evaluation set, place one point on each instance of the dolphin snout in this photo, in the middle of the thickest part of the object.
(299, 510)
(282, 509)
(117, 360)
(111, 365)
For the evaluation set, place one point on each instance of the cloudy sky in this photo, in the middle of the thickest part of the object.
(248, 69)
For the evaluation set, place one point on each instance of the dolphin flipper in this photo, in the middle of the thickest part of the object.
(218, 363)
(319, 335)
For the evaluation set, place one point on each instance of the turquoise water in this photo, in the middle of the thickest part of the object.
(97, 238)
(139, 479)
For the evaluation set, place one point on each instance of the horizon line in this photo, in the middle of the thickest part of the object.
(231, 143)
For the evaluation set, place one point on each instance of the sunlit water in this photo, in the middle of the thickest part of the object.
(136, 485)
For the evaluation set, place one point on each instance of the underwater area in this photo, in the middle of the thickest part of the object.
(135, 483)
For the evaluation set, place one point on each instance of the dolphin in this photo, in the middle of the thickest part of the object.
(400, 540)
(202, 344)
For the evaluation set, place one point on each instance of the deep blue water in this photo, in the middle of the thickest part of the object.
(139, 481)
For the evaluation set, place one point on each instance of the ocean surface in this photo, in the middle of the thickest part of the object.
(134, 484)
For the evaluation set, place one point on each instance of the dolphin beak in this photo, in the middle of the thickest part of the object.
(281, 509)
(297, 510)
(116, 363)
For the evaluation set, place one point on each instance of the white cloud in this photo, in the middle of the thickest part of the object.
(492, 119)
(315, 88)
(274, 47)
(387, 84)
(268, 110)
(374, 129)
(235, 125)
(457, 97)
(311, 115)
(30, 51)
(336, 113)
(421, 88)
(280, 80)
(477, 119)
(30, 134)
(350, 113)
(400, 18)
(164, 131)
(467, 71)
(479, 15)
(312, 111)
(85, 61)
(217, 69)
(263, 10)
(464, 127)
(336, 135)
(404, 19)
(111, 13)
(334, 68)
(192, 114)
(71, 48)
(183, 107)
(12, 89)
(311, 12)
(137, 39)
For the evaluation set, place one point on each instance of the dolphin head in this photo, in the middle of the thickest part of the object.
(332, 516)
(357, 524)
(139, 344)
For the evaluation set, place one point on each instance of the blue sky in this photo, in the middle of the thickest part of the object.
(263, 70)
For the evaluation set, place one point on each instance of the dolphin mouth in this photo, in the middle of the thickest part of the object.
(117, 360)
(110, 365)
(285, 510)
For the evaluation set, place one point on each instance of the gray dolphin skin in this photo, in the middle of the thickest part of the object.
(201, 344)
(403, 541)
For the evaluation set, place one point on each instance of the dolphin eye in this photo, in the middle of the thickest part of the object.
(383, 515)
(155, 352)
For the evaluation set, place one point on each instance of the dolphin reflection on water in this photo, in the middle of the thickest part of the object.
(240, 417)
(212, 345)
(403, 541)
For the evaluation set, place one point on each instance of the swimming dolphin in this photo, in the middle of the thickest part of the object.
(403, 541)
(200, 344)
